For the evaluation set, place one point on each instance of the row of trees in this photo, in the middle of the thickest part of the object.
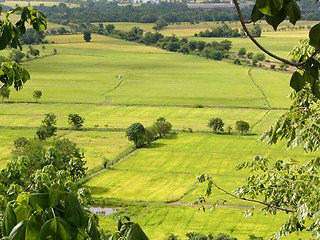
(217, 126)
(48, 127)
(214, 50)
(226, 31)
(100, 11)
(140, 135)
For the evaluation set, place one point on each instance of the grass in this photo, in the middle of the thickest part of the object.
(149, 76)
(170, 166)
(154, 83)
(98, 116)
(6, 142)
(98, 146)
(160, 221)
(140, 185)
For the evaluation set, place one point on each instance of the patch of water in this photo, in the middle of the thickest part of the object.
(103, 211)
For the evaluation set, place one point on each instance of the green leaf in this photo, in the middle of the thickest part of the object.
(314, 36)
(278, 18)
(57, 229)
(293, 11)
(307, 76)
(25, 230)
(269, 7)
(297, 82)
(73, 211)
(115, 236)
(315, 63)
(39, 199)
(135, 232)
(315, 89)
(256, 15)
(23, 212)
(55, 195)
(92, 228)
(9, 220)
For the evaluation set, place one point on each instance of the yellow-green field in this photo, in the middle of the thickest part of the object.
(83, 78)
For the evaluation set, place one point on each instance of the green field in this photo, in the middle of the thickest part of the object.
(160, 221)
(83, 78)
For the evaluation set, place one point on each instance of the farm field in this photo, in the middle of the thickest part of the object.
(83, 78)
(160, 221)
(140, 72)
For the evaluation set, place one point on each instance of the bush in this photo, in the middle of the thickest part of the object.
(237, 61)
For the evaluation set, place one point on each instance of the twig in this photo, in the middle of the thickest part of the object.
(2, 86)
(252, 200)
(243, 23)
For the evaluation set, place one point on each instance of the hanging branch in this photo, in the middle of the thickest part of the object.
(243, 24)
(252, 200)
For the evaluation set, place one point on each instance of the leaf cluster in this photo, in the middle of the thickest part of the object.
(13, 73)
(128, 230)
(51, 210)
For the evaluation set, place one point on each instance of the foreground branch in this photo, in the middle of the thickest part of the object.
(252, 200)
(243, 24)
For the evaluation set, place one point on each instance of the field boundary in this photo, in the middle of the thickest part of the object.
(264, 95)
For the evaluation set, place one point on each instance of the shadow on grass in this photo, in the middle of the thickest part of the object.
(171, 136)
(98, 190)
(155, 145)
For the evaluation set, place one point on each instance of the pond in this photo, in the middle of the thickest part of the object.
(103, 211)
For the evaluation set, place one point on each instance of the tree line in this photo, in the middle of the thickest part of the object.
(226, 31)
(171, 12)
(100, 11)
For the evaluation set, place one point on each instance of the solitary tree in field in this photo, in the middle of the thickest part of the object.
(242, 127)
(5, 93)
(216, 124)
(37, 94)
(136, 133)
(87, 36)
(75, 120)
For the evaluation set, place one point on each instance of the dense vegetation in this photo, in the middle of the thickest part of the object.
(149, 13)
(146, 13)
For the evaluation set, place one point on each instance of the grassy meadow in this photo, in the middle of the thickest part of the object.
(112, 84)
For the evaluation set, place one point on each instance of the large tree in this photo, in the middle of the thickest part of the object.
(216, 124)
(287, 185)
(136, 133)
